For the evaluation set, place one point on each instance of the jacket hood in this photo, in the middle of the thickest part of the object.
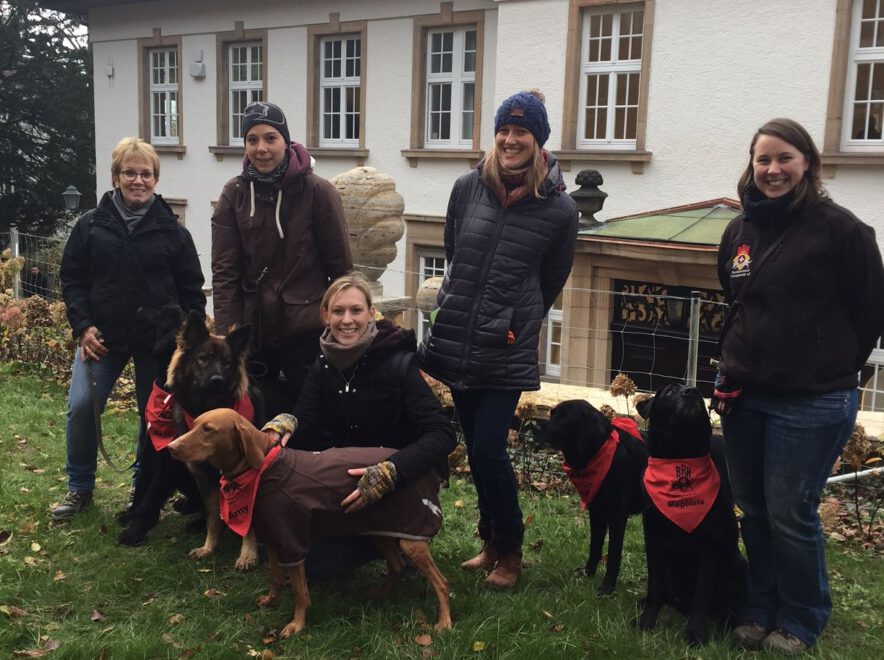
(391, 338)
(300, 163)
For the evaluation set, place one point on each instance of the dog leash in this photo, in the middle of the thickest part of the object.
(96, 413)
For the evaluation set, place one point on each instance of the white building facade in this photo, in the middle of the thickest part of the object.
(661, 96)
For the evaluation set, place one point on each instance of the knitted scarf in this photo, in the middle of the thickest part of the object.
(344, 357)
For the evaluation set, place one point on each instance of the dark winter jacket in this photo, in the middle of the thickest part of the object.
(313, 250)
(809, 322)
(107, 274)
(382, 401)
(299, 503)
(506, 266)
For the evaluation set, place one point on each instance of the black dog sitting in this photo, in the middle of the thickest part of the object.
(605, 462)
(694, 564)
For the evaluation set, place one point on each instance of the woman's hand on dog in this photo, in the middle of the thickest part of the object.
(92, 344)
(275, 438)
(375, 481)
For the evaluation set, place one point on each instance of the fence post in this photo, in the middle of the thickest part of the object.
(694, 339)
(16, 251)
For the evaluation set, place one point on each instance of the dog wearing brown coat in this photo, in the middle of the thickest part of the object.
(311, 485)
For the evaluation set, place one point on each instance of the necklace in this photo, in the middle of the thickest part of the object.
(346, 380)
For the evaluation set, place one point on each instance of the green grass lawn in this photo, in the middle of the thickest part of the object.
(70, 591)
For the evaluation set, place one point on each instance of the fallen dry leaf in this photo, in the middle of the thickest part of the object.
(36, 547)
(548, 615)
(557, 627)
(478, 647)
(97, 615)
(12, 611)
(212, 593)
(187, 653)
(529, 519)
(458, 504)
(27, 527)
(31, 561)
(423, 640)
(176, 619)
(59, 576)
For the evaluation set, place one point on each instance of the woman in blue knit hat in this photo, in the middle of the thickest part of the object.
(510, 234)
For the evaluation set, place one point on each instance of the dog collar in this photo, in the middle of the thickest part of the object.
(683, 489)
(588, 481)
(238, 494)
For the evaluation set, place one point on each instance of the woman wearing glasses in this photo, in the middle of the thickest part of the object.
(129, 253)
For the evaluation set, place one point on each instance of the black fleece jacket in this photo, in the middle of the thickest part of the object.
(376, 404)
(809, 322)
(107, 274)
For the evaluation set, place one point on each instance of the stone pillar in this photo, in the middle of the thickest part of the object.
(373, 210)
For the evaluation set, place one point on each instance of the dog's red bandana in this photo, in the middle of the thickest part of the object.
(160, 418)
(238, 495)
(590, 479)
(683, 489)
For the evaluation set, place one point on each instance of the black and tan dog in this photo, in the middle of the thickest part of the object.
(605, 461)
(694, 563)
(292, 498)
(205, 372)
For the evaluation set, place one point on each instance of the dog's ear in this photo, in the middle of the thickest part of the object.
(644, 408)
(238, 340)
(193, 331)
(249, 438)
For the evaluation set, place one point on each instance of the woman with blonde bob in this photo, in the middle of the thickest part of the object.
(129, 253)
(510, 234)
(365, 390)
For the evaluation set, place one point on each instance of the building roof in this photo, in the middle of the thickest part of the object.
(700, 224)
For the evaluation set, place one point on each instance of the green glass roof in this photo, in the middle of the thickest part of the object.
(697, 224)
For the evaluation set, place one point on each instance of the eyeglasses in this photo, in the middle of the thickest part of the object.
(131, 175)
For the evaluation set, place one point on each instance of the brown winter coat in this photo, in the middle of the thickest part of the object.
(314, 250)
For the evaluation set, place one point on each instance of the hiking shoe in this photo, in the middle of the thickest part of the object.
(74, 502)
(783, 642)
(750, 635)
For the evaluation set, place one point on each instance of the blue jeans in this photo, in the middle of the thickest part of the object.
(82, 440)
(780, 451)
(485, 417)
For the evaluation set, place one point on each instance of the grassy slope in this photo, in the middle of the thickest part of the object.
(60, 575)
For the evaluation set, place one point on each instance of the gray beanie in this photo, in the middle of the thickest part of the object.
(264, 112)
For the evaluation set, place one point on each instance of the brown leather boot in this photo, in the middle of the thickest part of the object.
(484, 561)
(507, 571)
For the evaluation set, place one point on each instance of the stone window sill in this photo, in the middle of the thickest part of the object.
(360, 155)
(414, 156)
(637, 159)
(831, 160)
(178, 149)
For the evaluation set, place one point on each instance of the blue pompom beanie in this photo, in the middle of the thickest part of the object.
(263, 112)
(526, 110)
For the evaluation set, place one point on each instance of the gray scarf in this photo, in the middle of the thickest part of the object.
(131, 217)
(344, 357)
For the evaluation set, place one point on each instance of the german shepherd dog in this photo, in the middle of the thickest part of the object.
(694, 563)
(207, 371)
(606, 464)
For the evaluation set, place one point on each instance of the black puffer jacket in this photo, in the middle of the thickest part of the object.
(107, 274)
(809, 322)
(383, 401)
(506, 266)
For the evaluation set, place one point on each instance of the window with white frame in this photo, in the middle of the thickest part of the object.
(245, 82)
(451, 87)
(553, 365)
(432, 264)
(339, 91)
(163, 76)
(610, 77)
(864, 93)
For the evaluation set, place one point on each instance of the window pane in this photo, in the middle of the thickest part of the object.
(466, 132)
(863, 77)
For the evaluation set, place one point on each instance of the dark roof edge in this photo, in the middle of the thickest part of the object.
(720, 201)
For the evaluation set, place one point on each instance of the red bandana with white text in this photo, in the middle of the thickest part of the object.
(238, 495)
(683, 489)
(160, 417)
(590, 479)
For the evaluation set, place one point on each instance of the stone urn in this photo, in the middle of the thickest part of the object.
(373, 210)
(425, 298)
(589, 198)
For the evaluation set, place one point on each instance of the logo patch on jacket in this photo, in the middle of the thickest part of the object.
(742, 262)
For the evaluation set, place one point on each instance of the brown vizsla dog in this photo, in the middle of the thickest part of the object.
(298, 494)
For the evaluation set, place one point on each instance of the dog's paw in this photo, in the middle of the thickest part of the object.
(267, 600)
(246, 563)
(646, 620)
(590, 569)
(133, 536)
(291, 628)
(695, 636)
(200, 553)
(606, 588)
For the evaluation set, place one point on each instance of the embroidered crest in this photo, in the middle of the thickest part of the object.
(517, 112)
(742, 261)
